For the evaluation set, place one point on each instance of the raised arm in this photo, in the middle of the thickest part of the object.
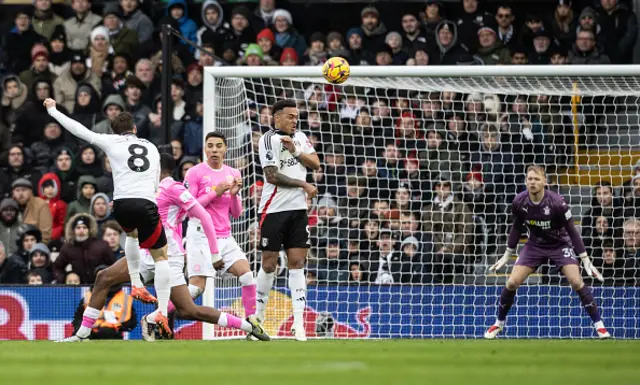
(74, 127)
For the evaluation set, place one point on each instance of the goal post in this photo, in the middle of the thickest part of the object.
(395, 254)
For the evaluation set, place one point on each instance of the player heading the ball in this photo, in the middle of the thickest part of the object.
(135, 164)
(553, 237)
(285, 154)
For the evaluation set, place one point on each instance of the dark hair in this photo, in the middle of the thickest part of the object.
(123, 123)
(113, 225)
(282, 104)
(167, 163)
(216, 134)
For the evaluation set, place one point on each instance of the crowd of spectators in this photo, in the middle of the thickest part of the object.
(415, 186)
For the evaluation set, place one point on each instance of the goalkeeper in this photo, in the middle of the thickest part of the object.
(553, 237)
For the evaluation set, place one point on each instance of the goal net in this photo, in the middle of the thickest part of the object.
(419, 168)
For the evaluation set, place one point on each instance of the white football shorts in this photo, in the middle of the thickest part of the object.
(176, 267)
(199, 254)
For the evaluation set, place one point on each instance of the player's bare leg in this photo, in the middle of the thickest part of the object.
(242, 270)
(264, 282)
(298, 286)
(518, 275)
(162, 283)
(113, 275)
(188, 310)
(572, 273)
(132, 254)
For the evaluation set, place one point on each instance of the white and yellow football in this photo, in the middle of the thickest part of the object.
(336, 70)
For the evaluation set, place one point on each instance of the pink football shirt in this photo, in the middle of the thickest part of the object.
(202, 180)
(173, 203)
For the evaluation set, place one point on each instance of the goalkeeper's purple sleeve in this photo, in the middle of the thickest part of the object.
(514, 234)
(576, 239)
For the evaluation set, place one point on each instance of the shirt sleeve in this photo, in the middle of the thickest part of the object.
(307, 147)
(269, 150)
(80, 131)
(516, 227)
(191, 181)
(182, 197)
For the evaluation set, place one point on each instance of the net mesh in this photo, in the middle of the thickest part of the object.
(417, 179)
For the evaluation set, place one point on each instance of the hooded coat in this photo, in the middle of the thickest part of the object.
(57, 206)
(81, 204)
(83, 256)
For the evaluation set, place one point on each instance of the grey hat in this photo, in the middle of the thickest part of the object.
(327, 202)
(41, 247)
(8, 203)
(21, 182)
(410, 241)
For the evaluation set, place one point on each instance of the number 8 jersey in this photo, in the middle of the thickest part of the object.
(135, 162)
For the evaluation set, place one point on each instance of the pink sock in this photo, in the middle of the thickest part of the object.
(88, 321)
(249, 300)
(234, 322)
(171, 307)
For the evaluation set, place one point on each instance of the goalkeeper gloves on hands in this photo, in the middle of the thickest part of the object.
(502, 261)
(589, 268)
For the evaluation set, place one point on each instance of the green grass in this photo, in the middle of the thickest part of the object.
(446, 362)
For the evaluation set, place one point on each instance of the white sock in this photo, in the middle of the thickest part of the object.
(222, 320)
(195, 291)
(151, 317)
(163, 285)
(599, 325)
(264, 283)
(132, 253)
(246, 326)
(85, 329)
(298, 287)
(499, 323)
(246, 279)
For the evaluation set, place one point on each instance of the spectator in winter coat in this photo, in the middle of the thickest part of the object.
(39, 67)
(541, 44)
(335, 45)
(19, 42)
(585, 50)
(100, 210)
(100, 51)
(14, 97)
(357, 54)
(112, 234)
(88, 162)
(115, 78)
(214, 29)
(373, 28)
(44, 20)
(40, 262)
(9, 224)
(136, 20)
(448, 51)
(18, 167)
(66, 84)
(12, 270)
(64, 167)
(79, 26)
(412, 35)
(317, 54)
(394, 40)
(34, 210)
(113, 105)
(28, 236)
(122, 39)
(563, 23)
(267, 41)
(133, 90)
(177, 9)
(508, 33)
(60, 55)
(192, 131)
(286, 35)
(82, 250)
(49, 190)
(490, 49)
(86, 191)
(87, 106)
(619, 30)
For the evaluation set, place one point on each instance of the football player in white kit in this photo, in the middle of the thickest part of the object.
(217, 188)
(135, 164)
(285, 155)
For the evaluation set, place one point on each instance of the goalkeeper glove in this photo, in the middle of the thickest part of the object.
(502, 261)
(589, 268)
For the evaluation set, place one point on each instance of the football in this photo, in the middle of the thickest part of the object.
(336, 70)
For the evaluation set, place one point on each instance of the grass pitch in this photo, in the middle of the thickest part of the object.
(390, 362)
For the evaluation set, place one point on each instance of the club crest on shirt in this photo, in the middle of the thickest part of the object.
(546, 210)
(265, 242)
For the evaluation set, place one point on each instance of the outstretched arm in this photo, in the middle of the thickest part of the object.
(74, 127)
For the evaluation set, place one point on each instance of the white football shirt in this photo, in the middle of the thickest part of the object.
(272, 153)
(135, 162)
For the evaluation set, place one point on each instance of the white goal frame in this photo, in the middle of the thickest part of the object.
(314, 73)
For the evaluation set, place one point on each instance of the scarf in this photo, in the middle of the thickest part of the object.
(443, 206)
(60, 58)
(282, 38)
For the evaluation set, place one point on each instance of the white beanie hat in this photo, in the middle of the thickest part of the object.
(100, 31)
(283, 13)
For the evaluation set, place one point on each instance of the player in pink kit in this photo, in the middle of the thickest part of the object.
(174, 203)
(217, 187)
